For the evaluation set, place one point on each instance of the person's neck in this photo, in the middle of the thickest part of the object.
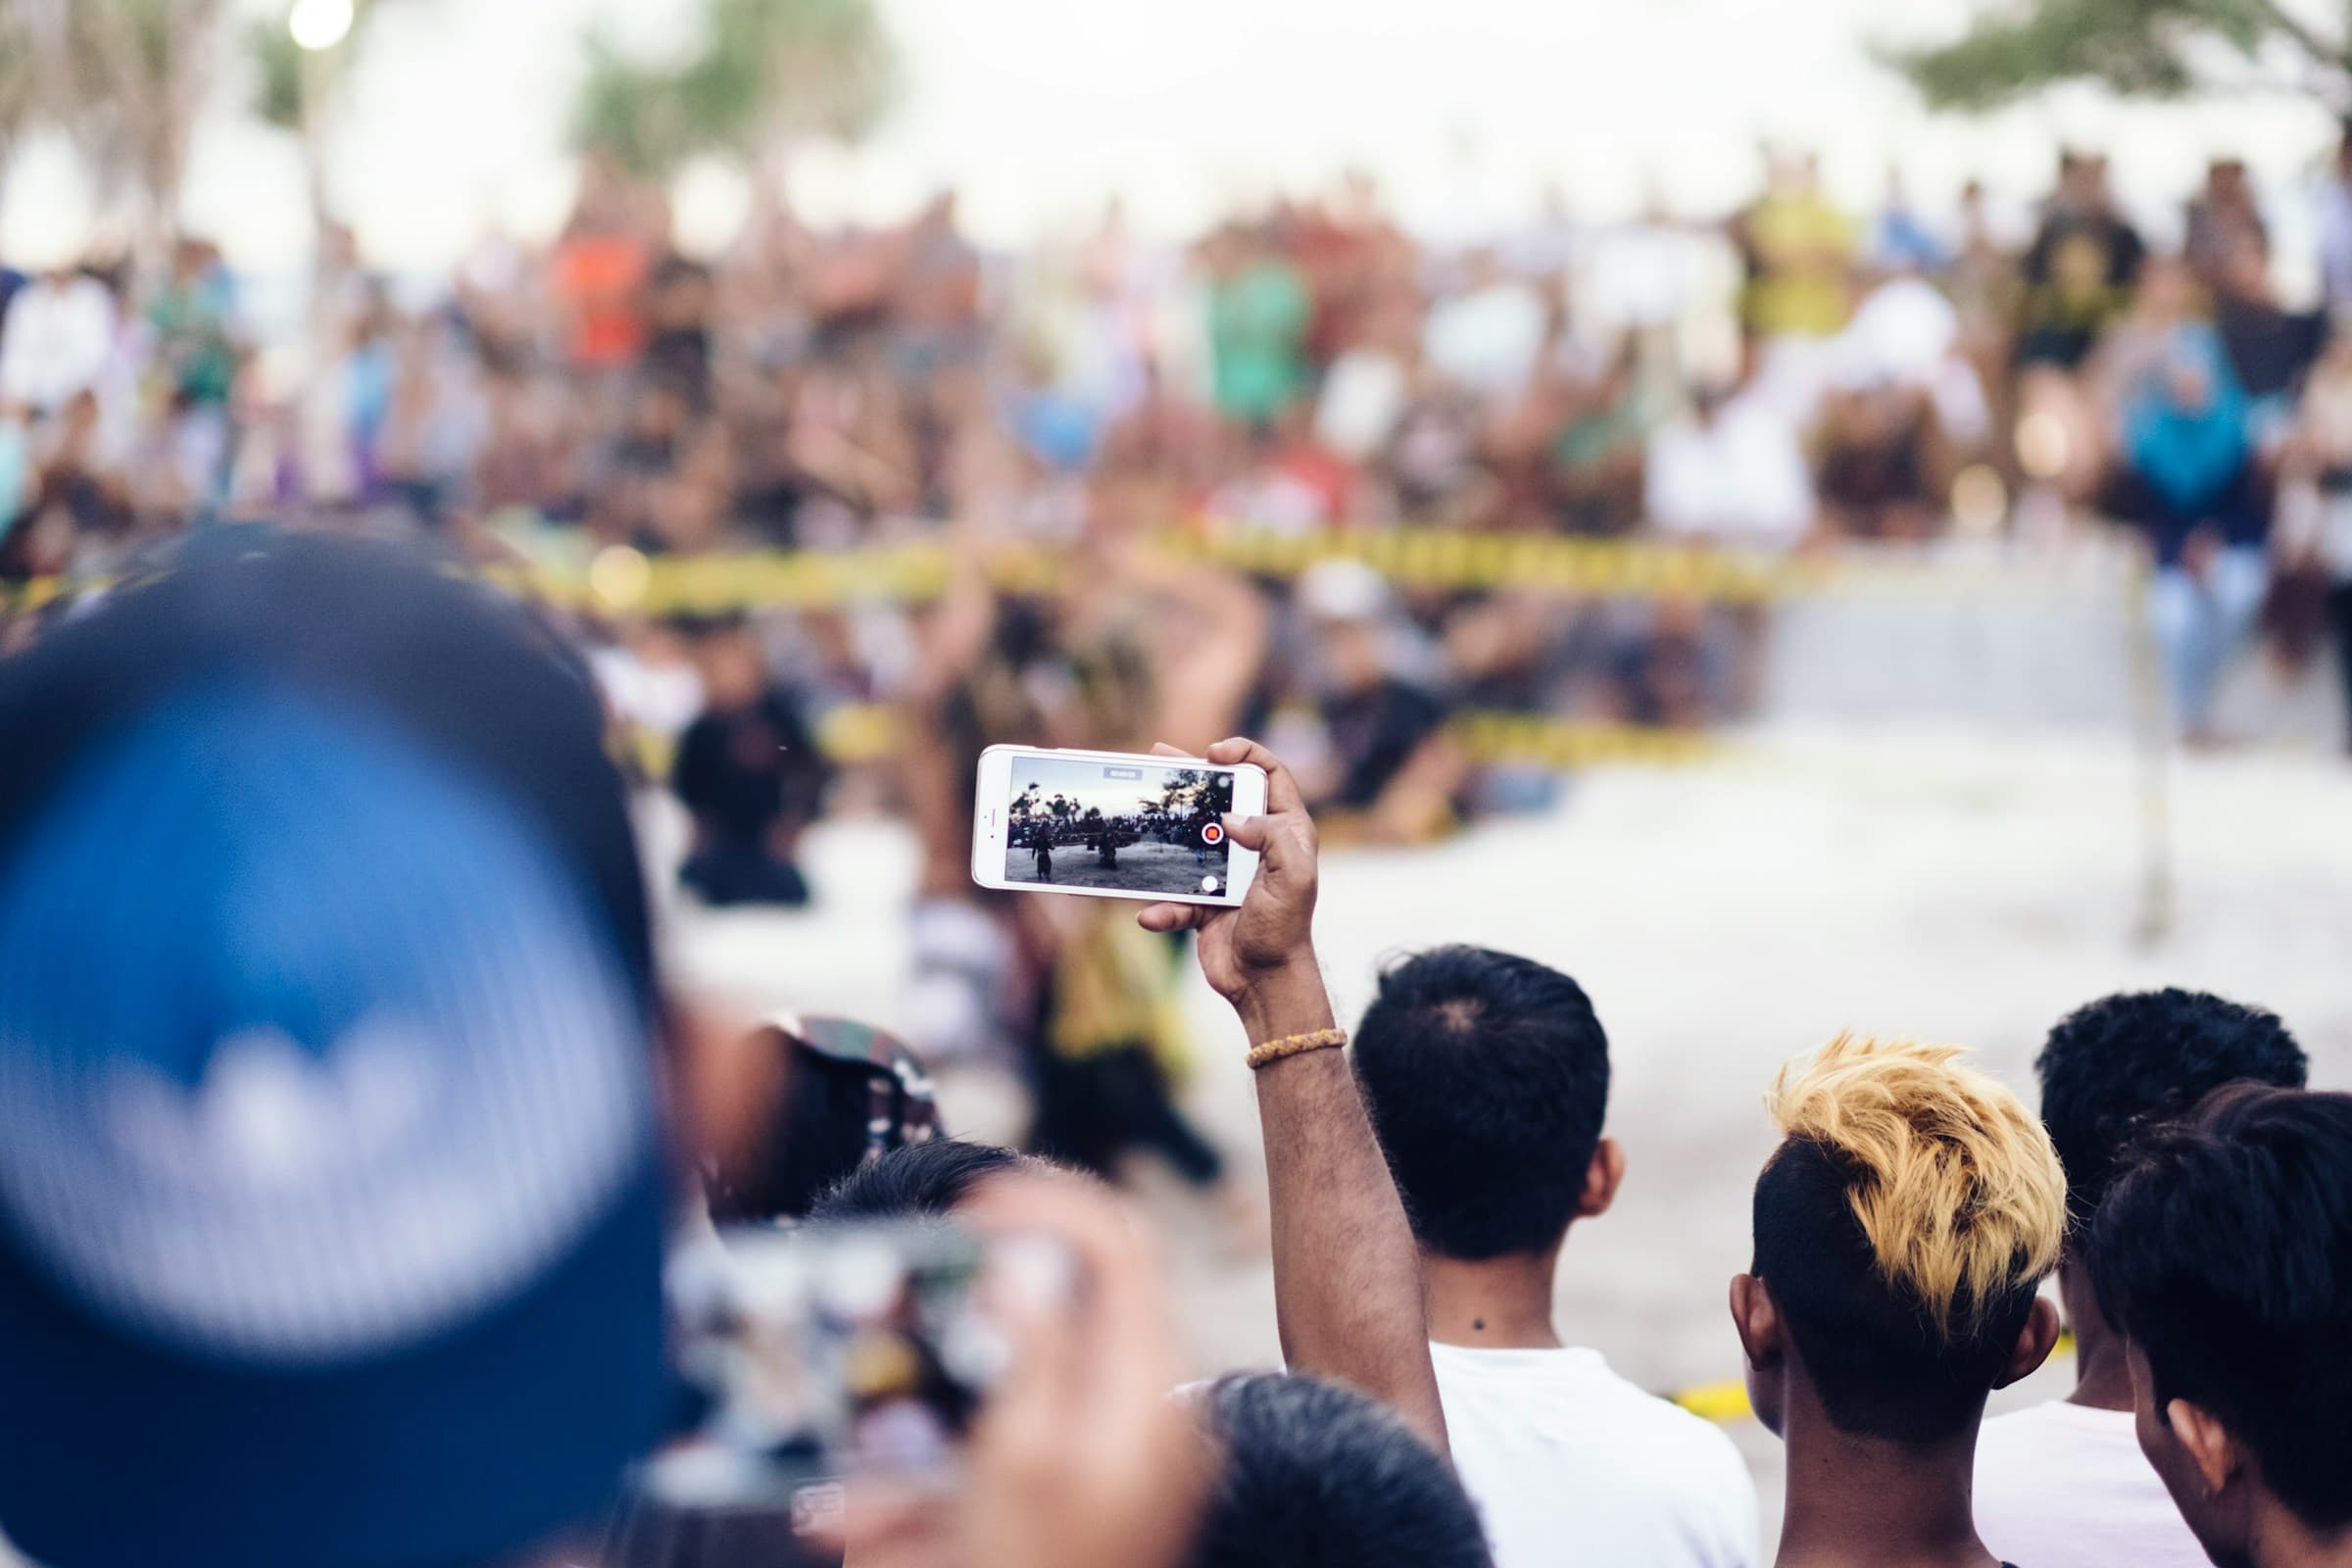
(1499, 1304)
(2102, 1375)
(1856, 1501)
(2283, 1540)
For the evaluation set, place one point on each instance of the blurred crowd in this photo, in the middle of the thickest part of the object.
(1790, 377)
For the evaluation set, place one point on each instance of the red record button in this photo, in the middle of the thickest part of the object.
(1212, 833)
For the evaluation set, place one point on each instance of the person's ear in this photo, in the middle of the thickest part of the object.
(2035, 1341)
(723, 1081)
(1757, 1321)
(1601, 1179)
(2208, 1444)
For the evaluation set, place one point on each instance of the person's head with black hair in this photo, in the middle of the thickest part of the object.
(2115, 1066)
(1313, 1474)
(2223, 1254)
(920, 1181)
(329, 1150)
(1901, 1230)
(1487, 1078)
(2111, 1069)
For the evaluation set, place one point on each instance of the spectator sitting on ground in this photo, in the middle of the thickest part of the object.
(1902, 1229)
(2223, 1253)
(751, 773)
(1391, 771)
(1486, 1076)
(1730, 472)
(2063, 1484)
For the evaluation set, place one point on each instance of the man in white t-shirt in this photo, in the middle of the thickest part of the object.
(1731, 472)
(2065, 1485)
(1486, 1077)
(54, 339)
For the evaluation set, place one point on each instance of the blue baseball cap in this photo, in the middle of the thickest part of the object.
(331, 1189)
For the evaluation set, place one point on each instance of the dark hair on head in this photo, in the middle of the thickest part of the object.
(2224, 1251)
(920, 1181)
(1902, 1228)
(1317, 1476)
(1486, 1077)
(2125, 1062)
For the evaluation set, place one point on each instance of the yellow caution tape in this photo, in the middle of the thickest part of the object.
(621, 581)
(1515, 738)
(855, 734)
(1720, 1402)
(1727, 1401)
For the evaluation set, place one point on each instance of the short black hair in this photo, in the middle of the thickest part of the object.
(1486, 1077)
(919, 1181)
(2133, 1058)
(2224, 1254)
(1312, 1475)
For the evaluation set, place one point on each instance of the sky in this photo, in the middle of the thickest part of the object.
(1039, 110)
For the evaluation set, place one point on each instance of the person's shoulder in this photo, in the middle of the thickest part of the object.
(1655, 1421)
(2017, 1450)
(2052, 1415)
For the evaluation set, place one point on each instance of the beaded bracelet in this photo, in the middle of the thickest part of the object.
(1274, 1051)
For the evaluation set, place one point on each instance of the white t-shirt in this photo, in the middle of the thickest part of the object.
(1570, 1464)
(1742, 478)
(2064, 1486)
(1486, 340)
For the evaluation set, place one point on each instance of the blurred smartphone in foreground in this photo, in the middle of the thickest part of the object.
(826, 1353)
(1112, 824)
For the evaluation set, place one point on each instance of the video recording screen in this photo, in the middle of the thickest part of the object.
(1136, 827)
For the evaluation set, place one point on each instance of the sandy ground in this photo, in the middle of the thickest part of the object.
(1144, 868)
(1935, 882)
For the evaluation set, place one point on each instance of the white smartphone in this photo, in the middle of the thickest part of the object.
(1114, 824)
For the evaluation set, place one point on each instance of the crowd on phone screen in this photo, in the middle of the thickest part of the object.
(347, 1113)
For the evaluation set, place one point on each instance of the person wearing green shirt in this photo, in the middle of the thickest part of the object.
(1258, 314)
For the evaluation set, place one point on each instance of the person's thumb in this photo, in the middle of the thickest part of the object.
(1249, 832)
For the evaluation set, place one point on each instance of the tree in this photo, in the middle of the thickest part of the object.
(19, 79)
(2139, 48)
(294, 90)
(1183, 788)
(126, 79)
(765, 74)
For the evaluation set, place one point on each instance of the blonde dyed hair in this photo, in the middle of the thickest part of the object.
(1955, 1184)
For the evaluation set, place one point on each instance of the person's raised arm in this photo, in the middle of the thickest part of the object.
(1347, 1294)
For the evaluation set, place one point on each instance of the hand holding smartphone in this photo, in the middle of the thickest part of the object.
(1114, 824)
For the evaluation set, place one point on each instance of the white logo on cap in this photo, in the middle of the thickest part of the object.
(269, 1115)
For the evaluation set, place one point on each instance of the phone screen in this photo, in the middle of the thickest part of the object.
(1134, 826)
